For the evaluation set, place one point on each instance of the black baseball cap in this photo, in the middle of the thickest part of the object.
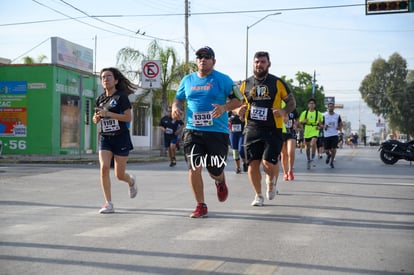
(206, 49)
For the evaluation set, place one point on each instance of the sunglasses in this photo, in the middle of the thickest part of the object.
(204, 55)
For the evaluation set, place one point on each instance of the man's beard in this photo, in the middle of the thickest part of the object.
(260, 74)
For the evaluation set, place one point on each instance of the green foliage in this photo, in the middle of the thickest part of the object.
(303, 92)
(363, 131)
(31, 60)
(346, 127)
(28, 60)
(389, 91)
(129, 61)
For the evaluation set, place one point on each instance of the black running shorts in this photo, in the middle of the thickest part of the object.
(263, 144)
(206, 149)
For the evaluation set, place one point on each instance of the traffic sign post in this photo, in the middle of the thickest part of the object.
(329, 99)
(151, 79)
(151, 74)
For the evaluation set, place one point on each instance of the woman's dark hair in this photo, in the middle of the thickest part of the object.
(123, 83)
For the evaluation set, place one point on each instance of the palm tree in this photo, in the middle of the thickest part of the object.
(31, 60)
(172, 71)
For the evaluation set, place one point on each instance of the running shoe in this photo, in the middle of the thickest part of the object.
(328, 158)
(286, 177)
(222, 191)
(133, 190)
(200, 211)
(238, 171)
(291, 176)
(258, 200)
(271, 194)
(332, 165)
(245, 167)
(308, 164)
(107, 208)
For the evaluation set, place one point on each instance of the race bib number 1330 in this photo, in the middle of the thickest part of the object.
(202, 119)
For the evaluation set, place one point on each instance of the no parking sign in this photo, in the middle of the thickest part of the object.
(151, 74)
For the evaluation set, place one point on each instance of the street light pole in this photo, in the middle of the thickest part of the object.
(247, 37)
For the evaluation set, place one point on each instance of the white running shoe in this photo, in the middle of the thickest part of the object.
(133, 190)
(271, 194)
(107, 208)
(258, 200)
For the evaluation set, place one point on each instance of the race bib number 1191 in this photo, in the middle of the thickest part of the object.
(110, 125)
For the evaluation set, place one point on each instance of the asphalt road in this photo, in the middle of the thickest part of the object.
(355, 219)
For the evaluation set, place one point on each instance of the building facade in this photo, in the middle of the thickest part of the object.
(47, 109)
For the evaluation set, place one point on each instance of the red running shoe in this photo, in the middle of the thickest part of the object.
(290, 175)
(200, 211)
(222, 191)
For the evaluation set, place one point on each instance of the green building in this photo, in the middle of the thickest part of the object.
(47, 109)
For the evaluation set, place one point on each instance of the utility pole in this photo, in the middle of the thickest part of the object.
(186, 31)
(314, 84)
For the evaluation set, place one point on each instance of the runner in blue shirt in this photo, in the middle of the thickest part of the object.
(209, 95)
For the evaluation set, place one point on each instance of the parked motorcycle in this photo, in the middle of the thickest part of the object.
(393, 150)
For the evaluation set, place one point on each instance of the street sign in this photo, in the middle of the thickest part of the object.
(329, 99)
(151, 74)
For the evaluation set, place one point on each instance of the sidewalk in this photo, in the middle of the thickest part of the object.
(135, 156)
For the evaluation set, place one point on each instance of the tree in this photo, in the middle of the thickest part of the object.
(31, 60)
(303, 92)
(388, 93)
(402, 116)
(129, 61)
(346, 127)
(363, 133)
(410, 76)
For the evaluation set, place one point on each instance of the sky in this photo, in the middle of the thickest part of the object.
(334, 39)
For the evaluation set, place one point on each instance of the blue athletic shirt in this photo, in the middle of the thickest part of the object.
(200, 94)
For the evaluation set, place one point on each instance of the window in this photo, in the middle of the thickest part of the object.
(140, 125)
(88, 112)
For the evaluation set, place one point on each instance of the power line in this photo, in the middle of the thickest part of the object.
(40, 21)
(235, 12)
(174, 14)
(30, 50)
(95, 18)
(72, 17)
(106, 30)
